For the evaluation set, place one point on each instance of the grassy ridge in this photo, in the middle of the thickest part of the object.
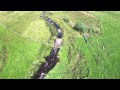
(74, 63)
(109, 56)
(97, 59)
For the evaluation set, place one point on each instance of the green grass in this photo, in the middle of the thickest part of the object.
(26, 35)
(96, 63)
(23, 48)
(73, 62)
(109, 57)
(21, 54)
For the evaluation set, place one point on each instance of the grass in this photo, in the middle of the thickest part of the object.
(25, 36)
(22, 50)
(96, 62)
(109, 57)
(73, 64)
(21, 54)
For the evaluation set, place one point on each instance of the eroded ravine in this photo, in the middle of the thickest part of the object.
(52, 58)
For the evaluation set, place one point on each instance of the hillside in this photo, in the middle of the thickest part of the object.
(25, 39)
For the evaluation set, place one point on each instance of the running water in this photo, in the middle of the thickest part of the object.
(52, 58)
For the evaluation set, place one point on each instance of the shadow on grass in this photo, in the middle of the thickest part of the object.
(3, 57)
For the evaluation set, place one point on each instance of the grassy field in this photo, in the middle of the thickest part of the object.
(25, 39)
(108, 66)
(23, 49)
